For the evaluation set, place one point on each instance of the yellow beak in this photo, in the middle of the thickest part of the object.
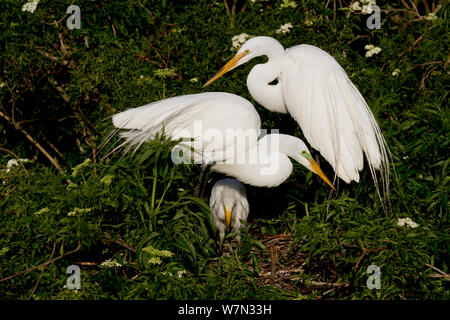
(319, 172)
(227, 217)
(227, 67)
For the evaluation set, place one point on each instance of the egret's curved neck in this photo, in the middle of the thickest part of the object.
(269, 168)
(269, 96)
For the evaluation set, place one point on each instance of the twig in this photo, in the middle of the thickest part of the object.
(42, 272)
(9, 151)
(441, 275)
(426, 64)
(33, 141)
(422, 82)
(40, 265)
(120, 242)
(149, 12)
(52, 146)
(366, 252)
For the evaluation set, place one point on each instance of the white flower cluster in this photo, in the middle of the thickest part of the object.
(30, 6)
(287, 4)
(15, 162)
(164, 73)
(180, 273)
(285, 28)
(239, 40)
(371, 50)
(194, 80)
(431, 16)
(77, 211)
(366, 7)
(156, 255)
(402, 222)
(110, 263)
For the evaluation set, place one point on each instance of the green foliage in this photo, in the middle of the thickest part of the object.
(60, 87)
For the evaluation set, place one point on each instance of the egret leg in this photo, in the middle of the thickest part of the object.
(199, 190)
(219, 242)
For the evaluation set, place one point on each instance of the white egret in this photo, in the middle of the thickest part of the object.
(314, 89)
(225, 121)
(229, 205)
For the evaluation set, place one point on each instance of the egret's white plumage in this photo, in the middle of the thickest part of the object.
(229, 206)
(222, 113)
(316, 91)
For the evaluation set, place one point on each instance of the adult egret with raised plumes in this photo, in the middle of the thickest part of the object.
(229, 206)
(314, 89)
(223, 130)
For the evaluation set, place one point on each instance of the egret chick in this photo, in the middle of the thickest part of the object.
(229, 206)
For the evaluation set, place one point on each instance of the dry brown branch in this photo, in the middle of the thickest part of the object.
(120, 242)
(42, 272)
(36, 144)
(441, 274)
(427, 74)
(41, 265)
(52, 146)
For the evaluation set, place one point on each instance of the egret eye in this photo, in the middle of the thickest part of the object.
(304, 152)
(247, 51)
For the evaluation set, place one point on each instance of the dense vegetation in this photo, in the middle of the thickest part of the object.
(132, 223)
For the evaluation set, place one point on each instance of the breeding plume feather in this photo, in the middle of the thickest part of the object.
(314, 89)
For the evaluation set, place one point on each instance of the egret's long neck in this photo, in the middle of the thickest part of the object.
(270, 166)
(269, 96)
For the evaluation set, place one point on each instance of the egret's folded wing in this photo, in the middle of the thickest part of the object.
(332, 114)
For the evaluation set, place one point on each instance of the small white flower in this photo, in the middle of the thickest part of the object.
(110, 263)
(77, 211)
(402, 222)
(366, 10)
(194, 80)
(154, 260)
(15, 162)
(239, 40)
(355, 6)
(395, 73)
(371, 50)
(285, 28)
(30, 6)
(287, 4)
(431, 16)
(180, 273)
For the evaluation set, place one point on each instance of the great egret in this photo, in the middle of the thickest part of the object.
(229, 205)
(316, 91)
(225, 129)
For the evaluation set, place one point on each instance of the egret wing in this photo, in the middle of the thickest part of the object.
(332, 114)
(211, 116)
